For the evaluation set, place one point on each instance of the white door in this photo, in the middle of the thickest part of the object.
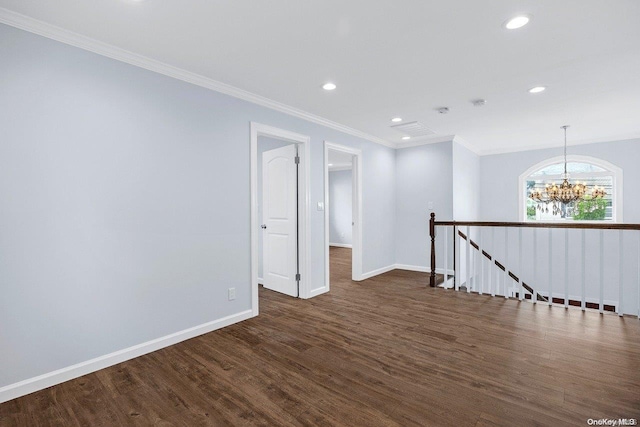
(280, 220)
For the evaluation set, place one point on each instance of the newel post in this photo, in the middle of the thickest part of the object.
(432, 233)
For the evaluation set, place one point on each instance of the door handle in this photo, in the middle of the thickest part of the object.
(263, 226)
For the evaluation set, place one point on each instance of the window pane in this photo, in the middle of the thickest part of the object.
(587, 210)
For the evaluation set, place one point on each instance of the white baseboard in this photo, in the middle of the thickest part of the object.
(341, 245)
(40, 382)
(260, 281)
(421, 268)
(318, 291)
(413, 268)
(377, 272)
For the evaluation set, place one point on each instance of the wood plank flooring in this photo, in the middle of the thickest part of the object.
(388, 351)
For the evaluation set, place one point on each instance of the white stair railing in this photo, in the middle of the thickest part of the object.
(593, 266)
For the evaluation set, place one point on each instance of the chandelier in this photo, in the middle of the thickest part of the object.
(564, 193)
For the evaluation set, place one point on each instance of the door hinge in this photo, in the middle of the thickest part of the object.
(297, 160)
(297, 277)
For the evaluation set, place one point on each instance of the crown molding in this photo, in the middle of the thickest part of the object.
(457, 139)
(426, 141)
(53, 32)
(506, 150)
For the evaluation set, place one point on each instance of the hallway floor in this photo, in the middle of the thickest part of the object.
(388, 351)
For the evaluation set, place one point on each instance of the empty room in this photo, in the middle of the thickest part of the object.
(329, 213)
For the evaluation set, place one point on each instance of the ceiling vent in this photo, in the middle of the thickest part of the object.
(413, 129)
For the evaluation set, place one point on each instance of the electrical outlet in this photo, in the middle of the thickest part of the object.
(232, 294)
(430, 206)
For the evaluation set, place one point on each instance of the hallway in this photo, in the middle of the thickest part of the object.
(386, 351)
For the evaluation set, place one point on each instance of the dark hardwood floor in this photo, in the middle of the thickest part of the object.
(388, 351)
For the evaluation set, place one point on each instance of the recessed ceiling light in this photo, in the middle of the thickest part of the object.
(396, 119)
(537, 89)
(406, 137)
(330, 164)
(329, 86)
(517, 22)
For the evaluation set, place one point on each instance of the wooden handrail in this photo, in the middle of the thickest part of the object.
(582, 225)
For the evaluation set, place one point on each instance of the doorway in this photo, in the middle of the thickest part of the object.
(343, 206)
(279, 212)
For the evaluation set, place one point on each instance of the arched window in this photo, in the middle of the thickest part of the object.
(592, 171)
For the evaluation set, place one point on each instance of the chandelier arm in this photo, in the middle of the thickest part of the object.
(561, 195)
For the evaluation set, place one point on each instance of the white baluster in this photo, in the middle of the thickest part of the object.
(583, 242)
(481, 284)
(620, 268)
(456, 257)
(492, 261)
(566, 268)
(601, 303)
(534, 294)
(520, 272)
(550, 266)
(468, 260)
(446, 258)
(506, 259)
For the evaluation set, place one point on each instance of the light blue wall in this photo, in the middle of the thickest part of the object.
(466, 184)
(499, 176)
(125, 204)
(499, 202)
(423, 174)
(340, 207)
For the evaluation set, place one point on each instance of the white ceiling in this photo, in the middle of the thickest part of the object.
(397, 58)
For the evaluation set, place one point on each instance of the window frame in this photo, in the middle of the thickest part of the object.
(614, 171)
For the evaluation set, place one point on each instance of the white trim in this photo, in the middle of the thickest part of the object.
(505, 150)
(377, 272)
(406, 267)
(260, 281)
(40, 382)
(341, 245)
(438, 139)
(62, 35)
(53, 32)
(465, 144)
(616, 172)
(356, 255)
(304, 197)
(426, 141)
(420, 268)
(318, 291)
(340, 168)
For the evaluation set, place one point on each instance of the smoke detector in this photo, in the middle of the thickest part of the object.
(443, 110)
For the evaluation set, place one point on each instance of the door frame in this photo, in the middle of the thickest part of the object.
(304, 199)
(356, 212)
